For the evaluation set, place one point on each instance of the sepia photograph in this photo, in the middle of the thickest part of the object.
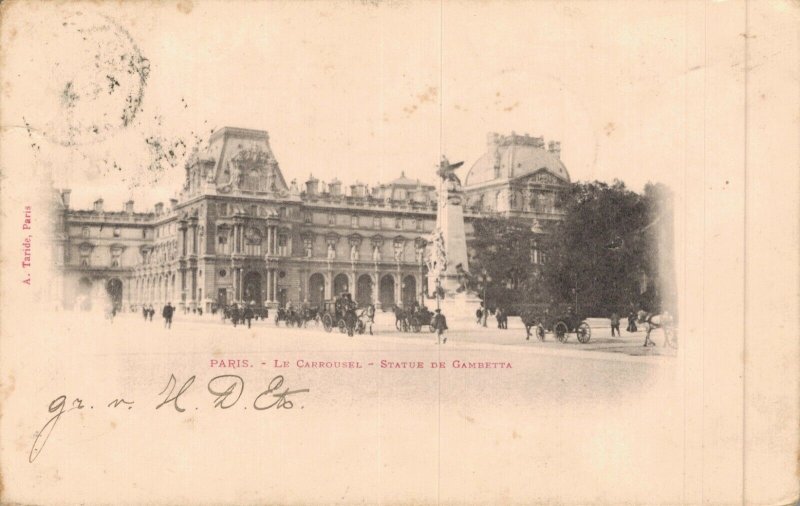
(368, 252)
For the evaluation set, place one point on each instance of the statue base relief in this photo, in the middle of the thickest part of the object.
(459, 309)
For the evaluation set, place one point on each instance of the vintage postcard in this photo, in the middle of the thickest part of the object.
(400, 252)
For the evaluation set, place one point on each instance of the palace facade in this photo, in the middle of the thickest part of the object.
(239, 232)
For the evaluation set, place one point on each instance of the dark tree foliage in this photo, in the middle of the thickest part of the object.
(502, 249)
(612, 252)
(602, 255)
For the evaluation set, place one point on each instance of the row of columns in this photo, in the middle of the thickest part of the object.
(158, 288)
(189, 242)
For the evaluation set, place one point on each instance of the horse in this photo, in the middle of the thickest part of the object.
(654, 321)
(531, 319)
(400, 317)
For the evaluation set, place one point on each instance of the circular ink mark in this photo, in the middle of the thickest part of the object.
(93, 78)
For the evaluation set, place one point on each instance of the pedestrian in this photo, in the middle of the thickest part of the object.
(632, 322)
(248, 315)
(150, 312)
(615, 324)
(144, 312)
(478, 315)
(167, 313)
(440, 325)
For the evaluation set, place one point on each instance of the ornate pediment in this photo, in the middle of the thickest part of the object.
(543, 176)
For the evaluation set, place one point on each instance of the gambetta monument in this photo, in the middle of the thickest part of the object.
(448, 263)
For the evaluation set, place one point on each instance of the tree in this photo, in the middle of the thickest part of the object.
(502, 249)
(596, 254)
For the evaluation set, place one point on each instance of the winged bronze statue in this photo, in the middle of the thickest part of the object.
(447, 170)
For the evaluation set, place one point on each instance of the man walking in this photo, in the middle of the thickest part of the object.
(615, 324)
(248, 315)
(440, 325)
(167, 313)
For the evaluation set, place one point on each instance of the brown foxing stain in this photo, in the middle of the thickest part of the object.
(511, 107)
(515, 435)
(113, 425)
(185, 6)
(7, 387)
(429, 95)
(609, 128)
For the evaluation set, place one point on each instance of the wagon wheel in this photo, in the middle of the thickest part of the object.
(415, 324)
(560, 331)
(342, 325)
(584, 332)
(361, 327)
(540, 332)
(431, 327)
(327, 322)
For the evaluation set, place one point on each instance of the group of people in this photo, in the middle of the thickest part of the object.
(167, 312)
(500, 313)
(651, 321)
(241, 313)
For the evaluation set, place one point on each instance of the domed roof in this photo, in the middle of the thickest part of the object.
(514, 156)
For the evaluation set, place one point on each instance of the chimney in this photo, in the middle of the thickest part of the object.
(65, 194)
(159, 208)
(335, 187)
(173, 203)
(311, 185)
(357, 190)
(129, 207)
(98, 206)
(555, 148)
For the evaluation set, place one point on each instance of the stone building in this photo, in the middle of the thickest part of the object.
(239, 232)
(518, 176)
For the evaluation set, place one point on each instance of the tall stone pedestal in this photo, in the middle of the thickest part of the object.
(457, 304)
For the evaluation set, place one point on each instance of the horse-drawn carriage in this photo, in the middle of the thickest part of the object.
(413, 319)
(295, 317)
(559, 321)
(341, 313)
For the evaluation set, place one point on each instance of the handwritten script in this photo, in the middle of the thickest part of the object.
(225, 392)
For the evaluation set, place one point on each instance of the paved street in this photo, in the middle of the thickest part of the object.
(610, 420)
(462, 333)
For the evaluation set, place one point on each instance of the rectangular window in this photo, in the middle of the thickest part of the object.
(376, 222)
(354, 221)
(331, 219)
(116, 231)
(398, 223)
(307, 217)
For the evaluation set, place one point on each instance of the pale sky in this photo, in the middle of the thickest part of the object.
(365, 91)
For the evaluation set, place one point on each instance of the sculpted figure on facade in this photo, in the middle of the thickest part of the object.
(376, 253)
(331, 251)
